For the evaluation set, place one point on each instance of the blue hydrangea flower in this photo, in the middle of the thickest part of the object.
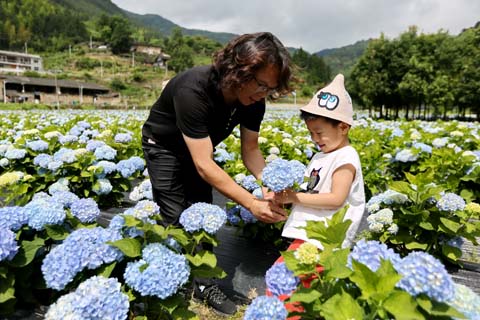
(247, 216)
(232, 215)
(54, 165)
(60, 185)
(451, 202)
(126, 168)
(105, 152)
(422, 273)
(69, 138)
(250, 183)
(8, 244)
(123, 137)
(65, 155)
(95, 298)
(280, 280)
(144, 209)
(92, 145)
(406, 155)
(423, 147)
(466, 301)
(282, 174)
(203, 215)
(42, 160)
(102, 186)
(86, 210)
(13, 218)
(66, 198)
(142, 191)
(221, 155)
(37, 145)
(107, 168)
(44, 211)
(266, 308)
(370, 253)
(258, 193)
(117, 223)
(160, 273)
(15, 154)
(83, 248)
(213, 219)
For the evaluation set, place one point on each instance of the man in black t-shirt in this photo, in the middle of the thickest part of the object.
(196, 111)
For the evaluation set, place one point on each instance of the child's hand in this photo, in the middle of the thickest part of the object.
(285, 196)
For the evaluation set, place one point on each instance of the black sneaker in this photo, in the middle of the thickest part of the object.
(215, 298)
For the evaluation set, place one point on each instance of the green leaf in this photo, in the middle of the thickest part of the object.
(306, 295)
(203, 258)
(27, 252)
(131, 221)
(436, 308)
(130, 247)
(342, 307)
(7, 289)
(426, 225)
(106, 270)
(402, 306)
(57, 232)
(206, 272)
(452, 253)
(450, 225)
(184, 313)
(335, 264)
(416, 245)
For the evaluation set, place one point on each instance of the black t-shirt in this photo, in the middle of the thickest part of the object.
(192, 103)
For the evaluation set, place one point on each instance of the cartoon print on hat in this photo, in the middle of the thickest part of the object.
(327, 100)
(332, 102)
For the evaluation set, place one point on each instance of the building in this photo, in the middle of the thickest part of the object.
(54, 91)
(154, 54)
(17, 62)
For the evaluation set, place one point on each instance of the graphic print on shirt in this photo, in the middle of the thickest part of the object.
(313, 180)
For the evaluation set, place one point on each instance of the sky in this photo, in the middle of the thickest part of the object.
(314, 25)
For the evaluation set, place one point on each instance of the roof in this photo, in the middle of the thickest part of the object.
(19, 54)
(51, 82)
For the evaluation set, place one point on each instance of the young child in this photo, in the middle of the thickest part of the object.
(335, 172)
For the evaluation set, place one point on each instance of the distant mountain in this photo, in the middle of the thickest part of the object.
(151, 21)
(342, 60)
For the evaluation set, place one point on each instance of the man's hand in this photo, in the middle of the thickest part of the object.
(267, 211)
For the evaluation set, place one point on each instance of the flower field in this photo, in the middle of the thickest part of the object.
(60, 169)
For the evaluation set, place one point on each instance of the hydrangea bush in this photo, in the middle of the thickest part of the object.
(368, 281)
(417, 215)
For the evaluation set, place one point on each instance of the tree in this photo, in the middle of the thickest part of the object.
(182, 55)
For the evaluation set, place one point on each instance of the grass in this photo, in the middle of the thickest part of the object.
(204, 312)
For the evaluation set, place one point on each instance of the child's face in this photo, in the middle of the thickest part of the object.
(327, 136)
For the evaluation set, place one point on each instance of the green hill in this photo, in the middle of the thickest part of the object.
(342, 60)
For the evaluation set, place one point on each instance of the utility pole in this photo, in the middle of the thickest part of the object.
(133, 59)
(26, 47)
(101, 69)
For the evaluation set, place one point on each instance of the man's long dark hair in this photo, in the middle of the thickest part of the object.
(243, 56)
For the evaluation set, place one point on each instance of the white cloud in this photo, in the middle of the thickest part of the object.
(314, 24)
